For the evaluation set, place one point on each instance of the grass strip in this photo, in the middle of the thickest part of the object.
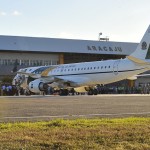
(97, 134)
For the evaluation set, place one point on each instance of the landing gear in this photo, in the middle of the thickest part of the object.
(95, 92)
(63, 92)
(72, 91)
(92, 92)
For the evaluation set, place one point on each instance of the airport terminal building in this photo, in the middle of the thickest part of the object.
(33, 51)
(21, 52)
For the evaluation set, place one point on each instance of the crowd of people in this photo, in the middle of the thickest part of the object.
(124, 90)
(10, 90)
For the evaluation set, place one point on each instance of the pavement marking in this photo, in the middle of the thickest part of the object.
(108, 95)
(67, 116)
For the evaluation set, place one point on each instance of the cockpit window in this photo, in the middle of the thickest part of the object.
(40, 70)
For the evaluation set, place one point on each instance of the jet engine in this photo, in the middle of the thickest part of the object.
(37, 86)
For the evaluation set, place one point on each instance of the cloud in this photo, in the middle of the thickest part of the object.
(2, 13)
(16, 13)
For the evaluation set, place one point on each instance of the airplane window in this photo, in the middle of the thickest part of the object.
(91, 68)
(40, 69)
(81, 68)
(78, 68)
(61, 70)
(97, 67)
(68, 69)
(94, 67)
(71, 69)
(109, 66)
(105, 66)
(88, 68)
(102, 67)
(84, 68)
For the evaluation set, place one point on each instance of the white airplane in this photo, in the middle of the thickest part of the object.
(80, 76)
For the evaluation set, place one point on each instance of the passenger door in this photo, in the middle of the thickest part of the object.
(115, 67)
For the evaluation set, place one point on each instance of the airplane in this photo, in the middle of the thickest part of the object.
(83, 76)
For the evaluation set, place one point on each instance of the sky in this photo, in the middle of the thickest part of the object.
(119, 20)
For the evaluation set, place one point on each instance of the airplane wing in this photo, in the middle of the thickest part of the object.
(71, 81)
(140, 75)
(143, 75)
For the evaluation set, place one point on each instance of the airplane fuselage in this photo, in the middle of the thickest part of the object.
(99, 72)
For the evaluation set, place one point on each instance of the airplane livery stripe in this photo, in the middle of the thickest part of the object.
(101, 72)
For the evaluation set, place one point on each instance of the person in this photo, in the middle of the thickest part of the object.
(7, 90)
(10, 89)
(3, 90)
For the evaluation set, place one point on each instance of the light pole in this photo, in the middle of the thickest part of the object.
(99, 36)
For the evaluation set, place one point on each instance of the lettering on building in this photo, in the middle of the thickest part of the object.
(104, 48)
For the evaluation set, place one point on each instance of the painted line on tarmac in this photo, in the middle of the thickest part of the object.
(67, 116)
(122, 95)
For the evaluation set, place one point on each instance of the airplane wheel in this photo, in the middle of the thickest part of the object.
(63, 92)
(72, 91)
(90, 92)
(95, 92)
(66, 92)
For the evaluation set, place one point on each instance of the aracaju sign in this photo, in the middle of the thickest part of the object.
(104, 48)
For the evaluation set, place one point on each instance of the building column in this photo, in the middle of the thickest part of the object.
(61, 58)
(131, 83)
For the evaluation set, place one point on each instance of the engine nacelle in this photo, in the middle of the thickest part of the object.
(37, 86)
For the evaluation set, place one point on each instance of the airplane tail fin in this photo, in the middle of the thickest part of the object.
(142, 51)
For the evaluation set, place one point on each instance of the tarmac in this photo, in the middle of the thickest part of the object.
(44, 108)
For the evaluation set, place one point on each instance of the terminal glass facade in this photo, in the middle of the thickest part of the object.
(28, 62)
(76, 57)
(28, 59)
